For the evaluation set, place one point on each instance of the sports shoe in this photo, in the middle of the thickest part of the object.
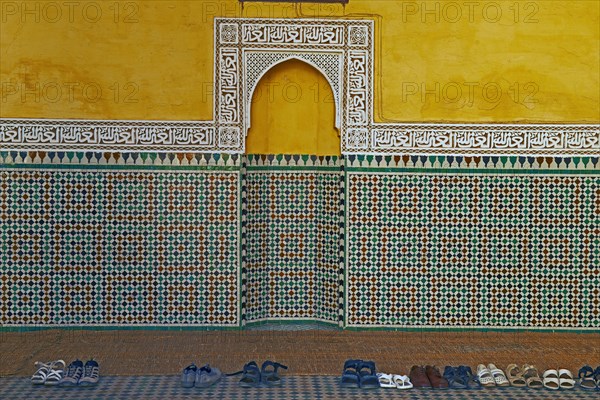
(73, 374)
(188, 376)
(91, 373)
(207, 376)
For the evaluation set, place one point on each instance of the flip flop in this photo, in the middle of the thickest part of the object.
(551, 379)
(499, 377)
(402, 382)
(386, 380)
(485, 376)
(565, 379)
(532, 377)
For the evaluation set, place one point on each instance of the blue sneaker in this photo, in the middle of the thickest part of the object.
(188, 376)
(91, 373)
(207, 376)
(73, 374)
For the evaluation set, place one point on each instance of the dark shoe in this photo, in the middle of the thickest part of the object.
(455, 377)
(436, 378)
(471, 379)
(91, 373)
(207, 376)
(270, 376)
(188, 376)
(368, 375)
(73, 374)
(419, 378)
(350, 376)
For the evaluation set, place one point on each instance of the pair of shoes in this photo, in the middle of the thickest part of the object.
(531, 376)
(561, 379)
(589, 379)
(49, 373)
(515, 376)
(267, 375)
(82, 375)
(359, 374)
(491, 376)
(461, 377)
(401, 382)
(200, 377)
(428, 377)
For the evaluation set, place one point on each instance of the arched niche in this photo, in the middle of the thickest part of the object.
(293, 112)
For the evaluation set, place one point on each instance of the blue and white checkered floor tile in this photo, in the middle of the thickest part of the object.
(294, 388)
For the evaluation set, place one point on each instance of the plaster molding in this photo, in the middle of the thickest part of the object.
(342, 50)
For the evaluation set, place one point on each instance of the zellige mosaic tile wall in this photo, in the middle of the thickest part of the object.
(476, 241)
(360, 241)
(292, 230)
(118, 238)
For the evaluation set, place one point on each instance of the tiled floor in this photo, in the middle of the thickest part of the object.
(294, 388)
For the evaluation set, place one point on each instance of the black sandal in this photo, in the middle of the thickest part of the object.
(350, 376)
(368, 375)
(270, 377)
(250, 375)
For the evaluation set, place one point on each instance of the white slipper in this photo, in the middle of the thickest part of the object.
(551, 379)
(498, 375)
(386, 380)
(402, 382)
(565, 379)
(485, 376)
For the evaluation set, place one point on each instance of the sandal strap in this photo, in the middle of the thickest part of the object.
(275, 366)
(586, 371)
(249, 368)
(550, 374)
(530, 371)
(352, 364)
(370, 365)
(54, 374)
(58, 363)
(385, 378)
(510, 371)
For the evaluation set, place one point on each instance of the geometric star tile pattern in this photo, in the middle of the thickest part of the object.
(292, 236)
(89, 246)
(474, 249)
(432, 241)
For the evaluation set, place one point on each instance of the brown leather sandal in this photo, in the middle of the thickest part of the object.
(515, 376)
(532, 377)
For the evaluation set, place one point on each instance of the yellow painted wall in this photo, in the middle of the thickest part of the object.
(436, 61)
(293, 111)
